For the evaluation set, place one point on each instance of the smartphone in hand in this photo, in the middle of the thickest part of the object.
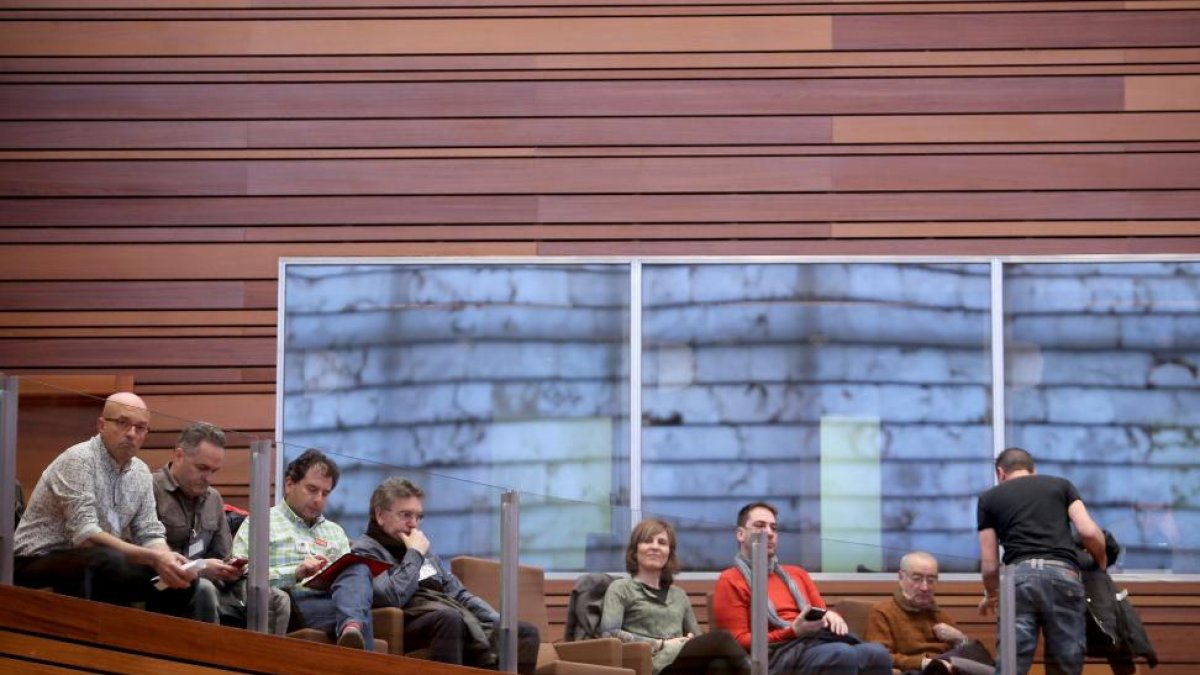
(814, 614)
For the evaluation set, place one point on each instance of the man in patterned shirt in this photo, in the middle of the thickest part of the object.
(303, 542)
(91, 529)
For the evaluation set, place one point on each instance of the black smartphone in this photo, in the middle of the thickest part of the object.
(814, 614)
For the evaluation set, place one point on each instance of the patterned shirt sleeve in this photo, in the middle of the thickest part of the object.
(73, 487)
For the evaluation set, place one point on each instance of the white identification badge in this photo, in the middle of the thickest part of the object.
(427, 570)
(195, 548)
(304, 546)
(114, 523)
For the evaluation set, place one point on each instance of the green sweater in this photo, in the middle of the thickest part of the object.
(634, 612)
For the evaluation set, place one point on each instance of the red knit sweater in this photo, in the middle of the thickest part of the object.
(731, 603)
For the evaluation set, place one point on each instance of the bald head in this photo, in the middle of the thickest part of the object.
(918, 578)
(121, 402)
(917, 558)
(123, 425)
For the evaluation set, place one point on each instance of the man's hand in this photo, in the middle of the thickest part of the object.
(169, 566)
(218, 570)
(310, 566)
(836, 623)
(416, 540)
(988, 604)
(947, 633)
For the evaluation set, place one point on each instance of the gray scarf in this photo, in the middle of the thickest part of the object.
(773, 567)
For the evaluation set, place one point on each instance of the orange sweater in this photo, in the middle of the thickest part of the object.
(731, 603)
(907, 634)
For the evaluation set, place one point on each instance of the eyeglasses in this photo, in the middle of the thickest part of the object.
(125, 424)
(410, 515)
(919, 579)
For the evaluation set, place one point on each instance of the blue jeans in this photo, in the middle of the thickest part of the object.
(1052, 599)
(349, 599)
(830, 658)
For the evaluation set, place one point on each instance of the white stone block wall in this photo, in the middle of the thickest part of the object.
(516, 377)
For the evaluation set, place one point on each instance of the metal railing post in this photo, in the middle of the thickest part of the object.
(1008, 621)
(510, 544)
(258, 593)
(8, 474)
(758, 603)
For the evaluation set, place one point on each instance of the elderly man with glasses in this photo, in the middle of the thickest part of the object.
(921, 636)
(91, 529)
(440, 614)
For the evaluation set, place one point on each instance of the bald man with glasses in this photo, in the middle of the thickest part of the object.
(921, 636)
(91, 529)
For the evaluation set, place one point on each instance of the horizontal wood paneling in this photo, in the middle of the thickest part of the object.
(578, 98)
(157, 159)
(1128, 171)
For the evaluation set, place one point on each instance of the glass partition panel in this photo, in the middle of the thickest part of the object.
(1103, 388)
(511, 375)
(855, 397)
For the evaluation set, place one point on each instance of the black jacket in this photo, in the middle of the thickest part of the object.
(1114, 629)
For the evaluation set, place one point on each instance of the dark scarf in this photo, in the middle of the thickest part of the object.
(393, 545)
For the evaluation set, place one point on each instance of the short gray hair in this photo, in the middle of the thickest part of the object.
(392, 489)
(198, 432)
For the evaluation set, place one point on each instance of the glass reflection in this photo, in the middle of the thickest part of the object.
(853, 396)
(1103, 388)
(502, 375)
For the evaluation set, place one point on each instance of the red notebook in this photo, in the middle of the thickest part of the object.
(322, 580)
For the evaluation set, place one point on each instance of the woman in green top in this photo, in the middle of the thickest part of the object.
(646, 607)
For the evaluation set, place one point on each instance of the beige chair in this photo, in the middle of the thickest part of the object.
(586, 657)
(388, 626)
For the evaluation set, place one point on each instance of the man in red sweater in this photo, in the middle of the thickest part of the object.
(796, 646)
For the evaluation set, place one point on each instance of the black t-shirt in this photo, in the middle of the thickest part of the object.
(1029, 515)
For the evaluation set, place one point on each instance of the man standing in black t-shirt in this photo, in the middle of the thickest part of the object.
(1031, 516)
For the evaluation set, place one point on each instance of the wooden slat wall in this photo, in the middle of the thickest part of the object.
(158, 158)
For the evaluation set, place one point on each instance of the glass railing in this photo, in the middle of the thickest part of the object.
(461, 515)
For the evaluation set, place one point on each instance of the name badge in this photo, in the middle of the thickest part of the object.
(427, 570)
(114, 523)
(320, 542)
(304, 546)
(195, 548)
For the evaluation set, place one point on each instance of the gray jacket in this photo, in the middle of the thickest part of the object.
(396, 586)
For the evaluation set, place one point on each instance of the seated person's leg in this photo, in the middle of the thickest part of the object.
(714, 652)
(61, 570)
(443, 631)
(840, 657)
(352, 595)
(111, 578)
(205, 604)
(873, 658)
(280, 611)
(200, 601)
(529, 641)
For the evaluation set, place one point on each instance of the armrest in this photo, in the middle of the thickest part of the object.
(388, 624)
(637, 657)
(601, 651)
